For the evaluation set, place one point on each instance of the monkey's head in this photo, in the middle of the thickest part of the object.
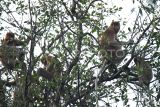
(46, 59)
(9, 36)
(115, 25)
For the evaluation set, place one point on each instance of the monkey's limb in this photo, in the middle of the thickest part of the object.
(130, 42)
(42, 72)
(21, 43)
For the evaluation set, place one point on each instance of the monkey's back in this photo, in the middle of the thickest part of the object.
(144, 71)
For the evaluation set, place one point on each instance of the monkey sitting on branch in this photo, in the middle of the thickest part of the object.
(110, 45)
(10, 54)
(52, 67)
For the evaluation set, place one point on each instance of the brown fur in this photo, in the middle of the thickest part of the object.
(10, 40)
(144, 67)
(52, 67)
(108, 41)
(9, 52)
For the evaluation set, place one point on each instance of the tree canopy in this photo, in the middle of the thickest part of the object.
(69, 30)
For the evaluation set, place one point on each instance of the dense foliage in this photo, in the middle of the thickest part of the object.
(69, 29)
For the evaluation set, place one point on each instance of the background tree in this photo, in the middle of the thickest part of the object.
(69, 29)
